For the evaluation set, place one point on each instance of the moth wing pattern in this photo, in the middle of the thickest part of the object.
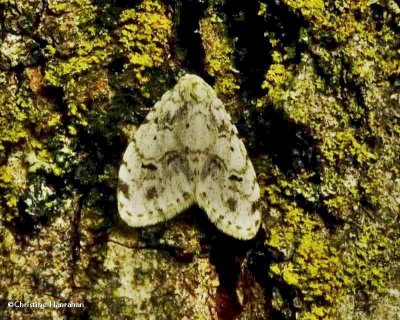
(227, 189)
(152, 186)
(186, 152)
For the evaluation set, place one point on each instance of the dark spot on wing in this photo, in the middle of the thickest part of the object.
(232, 149)
(232, 204)
(174, 157)
(161, 214)
(129, 213)
(151, 193)
(186, 195)
(223, 127)
(211, 167)
(235, 178)
(187, 125)
(216, 163)
(254, 207)
(149, 166)
(124, 188)
(155, 138)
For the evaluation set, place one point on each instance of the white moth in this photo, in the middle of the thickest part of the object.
(187, 152)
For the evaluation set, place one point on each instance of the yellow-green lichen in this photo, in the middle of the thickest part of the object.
(26, 121)
(219, 55)
(349, 184)
(315, 267)
(338, 91)
(145, 35)
(325, 267)
(92, 49)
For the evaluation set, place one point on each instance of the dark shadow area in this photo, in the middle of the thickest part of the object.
(225, 253)
(24, 224)
(289, 145)
(41, 207)
(228, 254)
(124, 3)
(117, 65)
(286, 26)
(260, 258)
(56, 94)
(188, 44)
(78, 313)
(378, 15)
(252, 48)
(116, 4)
(110, 11)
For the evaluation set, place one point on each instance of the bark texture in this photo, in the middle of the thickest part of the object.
(313, 87)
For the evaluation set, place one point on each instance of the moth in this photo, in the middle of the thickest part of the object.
(188, 152)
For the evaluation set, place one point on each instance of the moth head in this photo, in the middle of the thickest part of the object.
(192, 88)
